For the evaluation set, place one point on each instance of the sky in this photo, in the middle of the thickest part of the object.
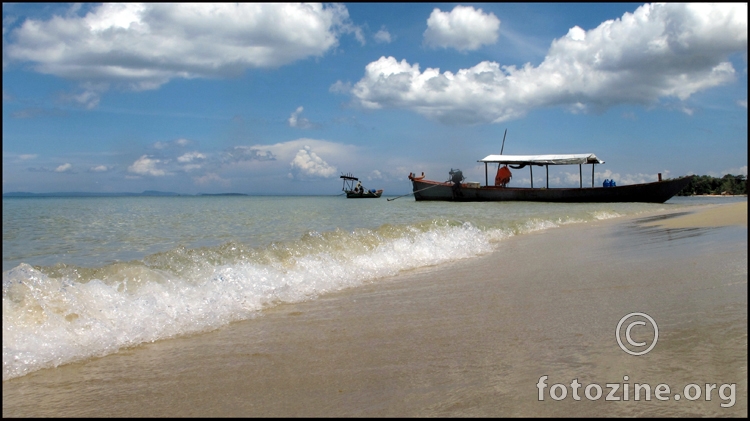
(281, 99)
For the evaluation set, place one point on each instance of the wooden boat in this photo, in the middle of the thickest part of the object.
(358, 191)
(455, 189)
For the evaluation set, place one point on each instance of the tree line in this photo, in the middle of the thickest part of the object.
(705, 184)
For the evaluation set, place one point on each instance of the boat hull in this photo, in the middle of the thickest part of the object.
(656, 192)
(364, 195)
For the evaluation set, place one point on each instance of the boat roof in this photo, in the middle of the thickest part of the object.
(569, 159)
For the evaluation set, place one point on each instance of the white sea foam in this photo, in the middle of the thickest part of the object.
(600, 215)
(48, 321)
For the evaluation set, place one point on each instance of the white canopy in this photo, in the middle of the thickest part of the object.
(569, 159)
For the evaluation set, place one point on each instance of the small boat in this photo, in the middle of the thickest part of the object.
(358, 191)
(455, 189)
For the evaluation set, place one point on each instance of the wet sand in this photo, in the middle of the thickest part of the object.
(471, 338)
(716, 216)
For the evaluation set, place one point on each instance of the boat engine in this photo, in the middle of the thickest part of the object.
(456, 177)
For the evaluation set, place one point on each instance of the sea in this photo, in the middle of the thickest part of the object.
(84, 277)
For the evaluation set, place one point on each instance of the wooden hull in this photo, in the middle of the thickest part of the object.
(657, 192)
(364, 195)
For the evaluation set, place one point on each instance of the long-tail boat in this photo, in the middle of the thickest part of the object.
(455, 189)
(358, 191)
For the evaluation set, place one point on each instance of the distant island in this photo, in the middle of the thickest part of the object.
(222, 194)
(149, 193)
(702, 185)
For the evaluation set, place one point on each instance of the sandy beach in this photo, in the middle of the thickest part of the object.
(471, 338)
(719, 216)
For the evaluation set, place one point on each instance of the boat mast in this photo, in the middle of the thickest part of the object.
(486, 181)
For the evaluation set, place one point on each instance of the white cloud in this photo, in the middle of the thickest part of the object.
(383, 36)
(142, 46)
(463, 28)
(192, 167)
(64, 168)
(276, 158)
(296, 121)
(659, 51)
(375, 175)
(99, 168)
(248, 153)
(735, 171)
(89, 95)
(340, 87)
(307, 164)
(211, 178)
(742, 103)
(174, 143)
(27, 156)
(146, 166)
(190, 156)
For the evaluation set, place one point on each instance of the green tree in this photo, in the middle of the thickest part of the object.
(706, 184)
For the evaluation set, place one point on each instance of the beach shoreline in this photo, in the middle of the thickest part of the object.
(467, 338)
(714, 216)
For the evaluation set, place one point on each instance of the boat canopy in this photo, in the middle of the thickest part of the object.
(569, 159)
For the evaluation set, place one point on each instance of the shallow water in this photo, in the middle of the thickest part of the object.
(85, 277)
(469, 337)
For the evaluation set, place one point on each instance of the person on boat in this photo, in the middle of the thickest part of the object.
(413, 176)
(358, 188)
(503, 176)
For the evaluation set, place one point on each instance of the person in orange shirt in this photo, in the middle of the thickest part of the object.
(503, 176)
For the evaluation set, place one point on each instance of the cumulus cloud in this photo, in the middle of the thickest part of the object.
(190, 157)
(287, 151)
(144, 45)
(383, 36)
(463, 28)
(146, 166)
(659, 51)
(99, 168)
(64, 168)
(296, 121)
(307, 164)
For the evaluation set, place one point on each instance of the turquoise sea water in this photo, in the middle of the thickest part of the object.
(84, 277)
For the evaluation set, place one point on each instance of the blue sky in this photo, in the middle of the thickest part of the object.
(283, 98)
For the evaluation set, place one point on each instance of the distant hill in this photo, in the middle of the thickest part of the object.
(158, 193)
(90, 194)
